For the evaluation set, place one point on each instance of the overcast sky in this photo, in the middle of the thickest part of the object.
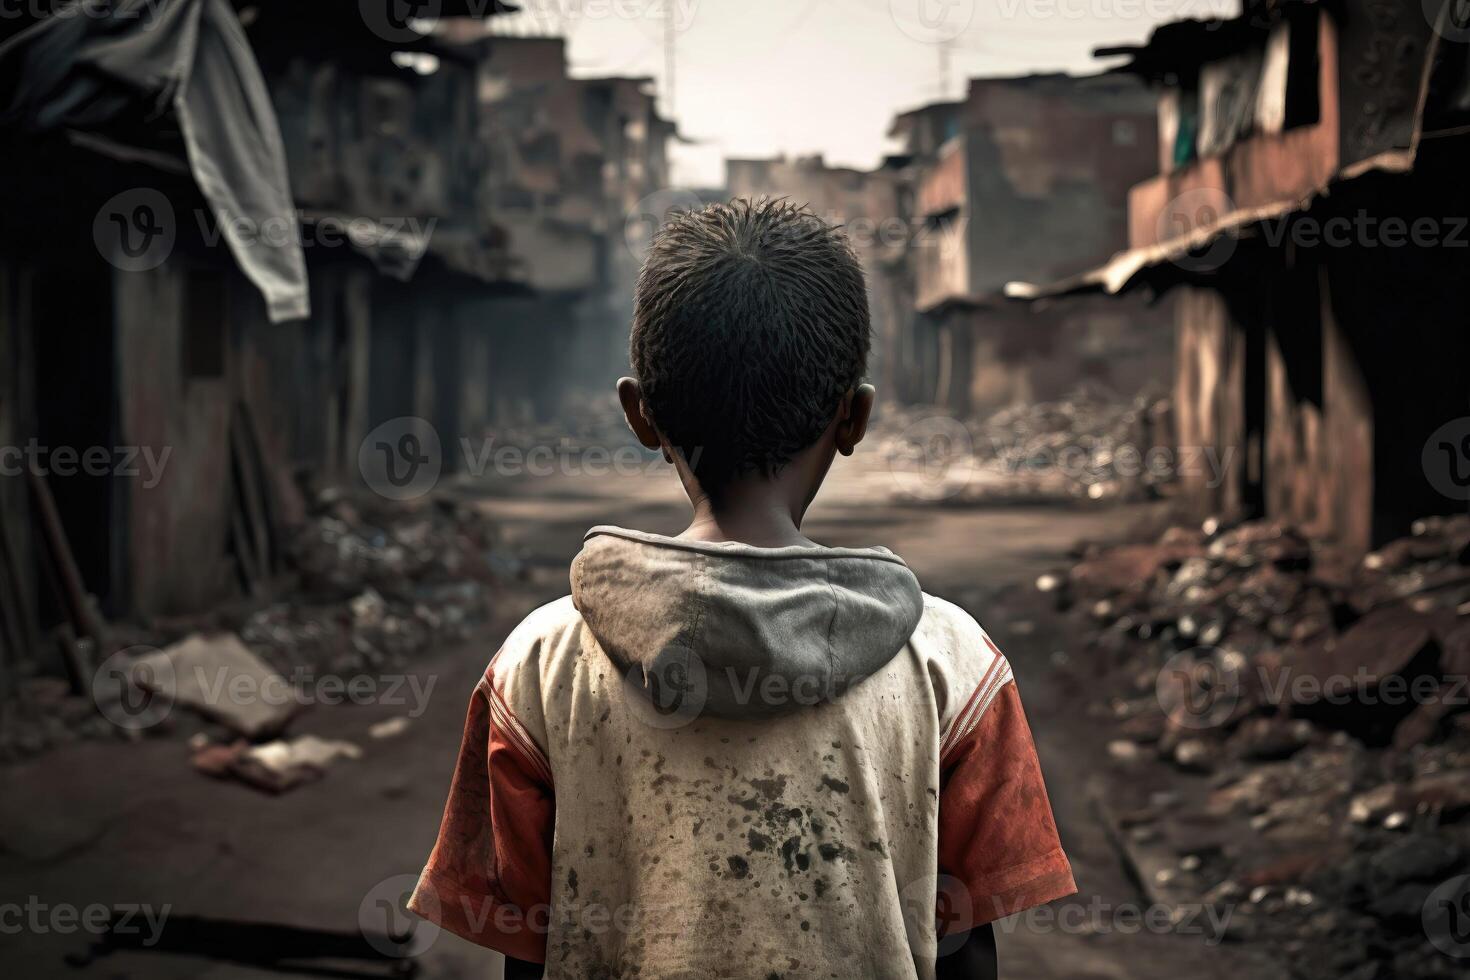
(762, 77)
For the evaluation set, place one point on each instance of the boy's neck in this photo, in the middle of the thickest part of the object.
(764, 513)
(759, 509)
(758, 528)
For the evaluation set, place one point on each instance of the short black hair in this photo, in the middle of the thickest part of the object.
(750, 323)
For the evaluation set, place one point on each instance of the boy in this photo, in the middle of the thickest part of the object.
(737, 753)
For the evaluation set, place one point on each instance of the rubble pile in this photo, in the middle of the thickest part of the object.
(1293, 729)
(1092, 445)
(370, 585)
(381, 583)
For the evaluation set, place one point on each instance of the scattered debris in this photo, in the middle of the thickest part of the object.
(275, 767)
(391, 728)
(1090, 446)
(1306, 716)
(366, 585)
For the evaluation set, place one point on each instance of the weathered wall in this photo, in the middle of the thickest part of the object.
(1348, 465)
(1209, 408)
(1041, 352)
(1049, 160)
(177, 530)
(941, 251)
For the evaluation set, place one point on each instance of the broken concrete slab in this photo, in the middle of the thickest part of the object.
(222, 679)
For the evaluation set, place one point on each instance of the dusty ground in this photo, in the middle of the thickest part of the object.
(242, 875)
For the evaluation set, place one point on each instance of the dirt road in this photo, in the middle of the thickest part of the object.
(218, 881)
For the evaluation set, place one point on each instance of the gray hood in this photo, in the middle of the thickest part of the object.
(737, 631)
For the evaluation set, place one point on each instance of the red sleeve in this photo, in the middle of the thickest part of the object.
(489, 876)
(998, 842)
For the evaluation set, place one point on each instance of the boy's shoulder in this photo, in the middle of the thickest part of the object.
(542, 631)
(526, 666)
(544, 641)
(947, 624)
(965, 666)
(947, 633)
(544, 625)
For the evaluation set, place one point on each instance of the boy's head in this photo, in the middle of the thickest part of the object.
(750, 340)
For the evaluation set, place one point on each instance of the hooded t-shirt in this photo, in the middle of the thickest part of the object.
(718, 760)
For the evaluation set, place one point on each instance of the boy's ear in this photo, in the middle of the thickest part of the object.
(852, 421)
(631, 397)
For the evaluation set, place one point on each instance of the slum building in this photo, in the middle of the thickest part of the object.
(1026, 177)
(173, 308)
(913, 353)
(1308, 217)
(635, 136)
(139, 322)
(386, 138)
(567, 161)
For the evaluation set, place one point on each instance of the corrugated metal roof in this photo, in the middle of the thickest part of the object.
(1124, 270)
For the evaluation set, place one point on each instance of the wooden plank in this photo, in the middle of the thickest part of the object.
(68, 578)
(249, 495)
(18, 627)
(265, 487)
